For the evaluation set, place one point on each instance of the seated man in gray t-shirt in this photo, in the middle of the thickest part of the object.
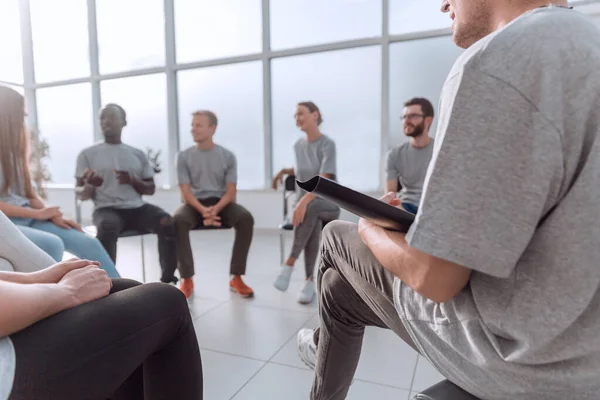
(207, 178)
(406, 165)
(115, 176)
(497, 282)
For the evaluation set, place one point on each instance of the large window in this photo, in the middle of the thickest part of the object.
(235, 94)
(124, 47)
(409, 16)
(208, 29)
(60, 39)
(11, 66)
(144, 99)
(309, 22)
(346, 86)
(418, 68)
(65, 121)
(227, 53)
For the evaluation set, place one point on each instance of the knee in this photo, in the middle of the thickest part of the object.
(180, 221)
(108, 228)
(335, 231)
(166, 297)
(330, 284)
(246, 220)
(167, 226)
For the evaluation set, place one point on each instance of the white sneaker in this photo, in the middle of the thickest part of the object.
(282, 282)
(307, 349)
(307, 292)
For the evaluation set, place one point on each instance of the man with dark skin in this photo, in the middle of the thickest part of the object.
(115, 176)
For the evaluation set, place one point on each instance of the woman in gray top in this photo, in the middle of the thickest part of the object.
(67, 331)
(314, 155)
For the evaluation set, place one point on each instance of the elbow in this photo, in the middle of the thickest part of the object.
(437, 287)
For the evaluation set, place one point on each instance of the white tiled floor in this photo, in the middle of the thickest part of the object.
(248, 346)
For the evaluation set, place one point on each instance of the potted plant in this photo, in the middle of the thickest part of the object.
(39, 151)
(154, 159)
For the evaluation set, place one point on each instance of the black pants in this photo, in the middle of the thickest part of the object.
(138, 343)
(111, 222)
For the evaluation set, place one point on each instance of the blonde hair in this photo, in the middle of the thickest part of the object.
(14, 142)
(212, 117)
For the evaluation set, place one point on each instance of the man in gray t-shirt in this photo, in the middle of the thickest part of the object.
(115, 176)
(497, 281)
(207, 179)
(406, 165)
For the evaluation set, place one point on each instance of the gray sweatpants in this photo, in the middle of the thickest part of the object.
(307, 235)
(355, 291)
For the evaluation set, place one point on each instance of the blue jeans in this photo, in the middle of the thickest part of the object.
(411, 208)
(54, 240)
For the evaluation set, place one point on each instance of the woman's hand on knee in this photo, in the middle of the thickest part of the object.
(86, 284)
(54, 273)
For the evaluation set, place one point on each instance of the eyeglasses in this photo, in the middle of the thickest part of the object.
(411, 116)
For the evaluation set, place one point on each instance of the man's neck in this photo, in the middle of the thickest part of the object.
(205, 145)
(512, 9)
(113, 139)
(420, 141)
(313, 134)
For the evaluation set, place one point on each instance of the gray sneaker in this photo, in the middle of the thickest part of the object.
(282, 282)
(307, 292)
(307, 349)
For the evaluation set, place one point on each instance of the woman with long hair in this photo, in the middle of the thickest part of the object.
(43, 225)
(315, 154)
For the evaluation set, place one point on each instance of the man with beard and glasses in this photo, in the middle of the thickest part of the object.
(406, 165)
(497, 281)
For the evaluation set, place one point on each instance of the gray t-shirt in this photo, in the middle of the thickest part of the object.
(206, 171)
(105, 158)
(512, 192)
(313, 158)
(408, 164)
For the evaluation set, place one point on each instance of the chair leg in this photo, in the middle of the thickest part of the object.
(143, 259)
(281, 246)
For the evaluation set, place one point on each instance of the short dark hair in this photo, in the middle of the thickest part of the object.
(425, 104)
(212, 117)
(120, 109)
(312, 107)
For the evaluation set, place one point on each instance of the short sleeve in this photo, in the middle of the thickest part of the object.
(328, 163)
(81, 165)
(491, 178)
(147, 170)
(391, 166)
(231, 173)
(183, 172)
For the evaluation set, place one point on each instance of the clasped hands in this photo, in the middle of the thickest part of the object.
(211, 217)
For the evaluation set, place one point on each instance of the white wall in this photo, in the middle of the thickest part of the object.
(265, 206)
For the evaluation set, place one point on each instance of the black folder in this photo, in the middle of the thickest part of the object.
(367, 207)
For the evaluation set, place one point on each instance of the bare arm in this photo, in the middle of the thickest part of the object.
(35, 302)
(144, 187)
(12, 211)
(287, 171)
(437, 279)
(227, 198)
(190, 199)
(84, 190)
(391, 186)
(15, 277)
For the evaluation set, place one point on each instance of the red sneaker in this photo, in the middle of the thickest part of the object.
(187, 287)
(238, 286)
